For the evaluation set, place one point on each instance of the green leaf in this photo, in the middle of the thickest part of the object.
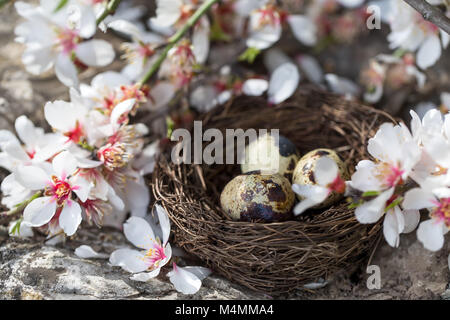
(170, 126)
(399, 53)
(60, 5)
(34, 196)
(86, 146)
(249, 55)
(16, 228)
(370, 193)
(354, 205)
(394, 203)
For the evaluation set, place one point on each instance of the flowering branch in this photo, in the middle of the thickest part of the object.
(110, 7)
(175, 38)
(431, 13)
(18, 208)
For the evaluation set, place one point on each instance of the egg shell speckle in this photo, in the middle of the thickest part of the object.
(304, 173)
(279, 156)
(254, 196)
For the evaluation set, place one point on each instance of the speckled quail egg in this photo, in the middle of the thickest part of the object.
(304, 172)
(254, 196)
(271, 155)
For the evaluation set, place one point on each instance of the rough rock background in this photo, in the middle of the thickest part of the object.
(31, 270)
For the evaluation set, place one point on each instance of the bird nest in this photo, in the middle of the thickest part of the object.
(276, 257)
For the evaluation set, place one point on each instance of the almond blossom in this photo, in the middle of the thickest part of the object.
(410, 31)
(391, 70)
(62, 188)
(266, 25)
(328, 180)
(174, 14)
(396, 153)
(155, 251)
(34, 145)
(62, 39)
(179, 66)
(437, 200)
(140, 53)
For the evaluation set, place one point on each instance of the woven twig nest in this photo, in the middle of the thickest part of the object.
(275, 257)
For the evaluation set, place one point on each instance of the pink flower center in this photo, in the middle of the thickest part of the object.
(155, 255)
(145, 50)
(68, 40)
(390, 175)
(426, 26)
(76, 133)
(113, 156)
(31, 154)
(269, 16)
(338, 185)
(442, 211)
(60, 190)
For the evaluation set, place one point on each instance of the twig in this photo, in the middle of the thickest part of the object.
(431, 13)
(110, 8)
(176, 37)
(8, 215)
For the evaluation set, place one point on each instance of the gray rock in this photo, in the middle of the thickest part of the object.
(29, 270)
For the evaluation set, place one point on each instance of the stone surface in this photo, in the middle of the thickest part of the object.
(30, 270)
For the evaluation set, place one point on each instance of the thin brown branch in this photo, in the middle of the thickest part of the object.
(431, 13)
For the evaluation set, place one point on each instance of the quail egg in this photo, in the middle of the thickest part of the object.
(304, 172)
(254, 196)
(271, 155)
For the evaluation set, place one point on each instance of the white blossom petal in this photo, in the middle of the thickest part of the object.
(64, 164)
(412, 218)
(66, 71)
(304, 29)
(39, 211)
(283, 83)
(371, 211)
(70, 217)
(312, 195)
(429, 52)
(164, 223)
(81, 187)
(167, 12)
(61, 115)
(417, 198)
(121, 109)
(95, 53)
(200, 40)
(184, 281)
(393, 225)
(86, 252)
(26, 130)
(145, 276)
(32, 177)
(326, 171)
(201, 272)
(130, 260)
(430, 233)
(255, 87)
(139, 233)
(125, 27)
